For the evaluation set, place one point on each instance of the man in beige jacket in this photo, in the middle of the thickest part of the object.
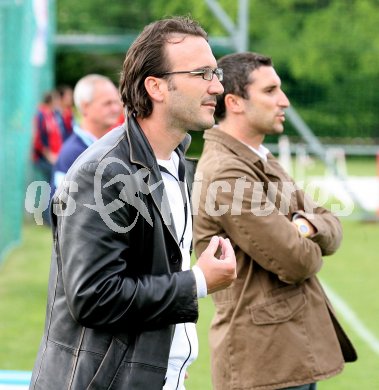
(274, 327)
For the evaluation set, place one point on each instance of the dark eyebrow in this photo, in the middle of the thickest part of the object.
(271, 86)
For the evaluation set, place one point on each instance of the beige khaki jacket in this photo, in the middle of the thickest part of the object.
(273, 327)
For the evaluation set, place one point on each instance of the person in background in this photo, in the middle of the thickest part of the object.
(123, 298)
(120, 120)
(274, 327)
(99, 106)
(66, 109)
(47, 135)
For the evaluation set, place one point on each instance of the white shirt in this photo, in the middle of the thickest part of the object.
(184, 347)
(262, 151)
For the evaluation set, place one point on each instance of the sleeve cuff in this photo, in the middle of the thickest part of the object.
(201, 284)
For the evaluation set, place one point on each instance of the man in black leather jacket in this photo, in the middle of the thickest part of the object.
(121, 292)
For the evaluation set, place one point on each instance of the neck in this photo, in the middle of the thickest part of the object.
(96, 131)
(162, 139)
(241, 133)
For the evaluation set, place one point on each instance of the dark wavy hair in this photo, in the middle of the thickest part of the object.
(237, 75)
(147, 57)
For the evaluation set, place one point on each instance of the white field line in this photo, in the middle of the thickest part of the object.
(351, 318)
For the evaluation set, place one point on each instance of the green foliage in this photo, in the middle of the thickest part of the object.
(103, 17)
(324, 50)
(84, 63)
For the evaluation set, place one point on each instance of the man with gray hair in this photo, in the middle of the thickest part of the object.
(98, 103)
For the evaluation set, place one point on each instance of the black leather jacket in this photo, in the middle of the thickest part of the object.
(114, 290)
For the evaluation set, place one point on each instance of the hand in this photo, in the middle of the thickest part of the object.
(218, 273)
(50, 156)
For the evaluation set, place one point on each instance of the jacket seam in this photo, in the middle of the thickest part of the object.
(76, 358)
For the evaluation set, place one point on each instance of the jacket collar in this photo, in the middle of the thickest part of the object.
(233, 144)
(238, 148)
(141, 153)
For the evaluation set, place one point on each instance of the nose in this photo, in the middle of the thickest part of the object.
(215, 87)
(283, 100)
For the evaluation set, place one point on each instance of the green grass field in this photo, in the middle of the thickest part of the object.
(351, 273)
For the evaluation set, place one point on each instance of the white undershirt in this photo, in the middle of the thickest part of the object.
(184, 347)
(262, 151)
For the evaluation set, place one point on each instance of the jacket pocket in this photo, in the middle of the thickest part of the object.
(278, 309)
(109, 366)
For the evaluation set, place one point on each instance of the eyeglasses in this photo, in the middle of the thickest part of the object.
(206, 73)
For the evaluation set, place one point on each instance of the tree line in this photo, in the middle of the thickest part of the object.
(324, 50)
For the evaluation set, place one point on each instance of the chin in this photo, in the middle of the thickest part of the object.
(278, 131)
(209, 124)
(202, 126)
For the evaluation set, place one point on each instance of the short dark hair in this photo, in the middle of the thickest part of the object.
(62, 89)
(147, 57)
(237, 75)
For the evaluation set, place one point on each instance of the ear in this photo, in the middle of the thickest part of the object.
(233, 103)
(83, 107)
(153, 87)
